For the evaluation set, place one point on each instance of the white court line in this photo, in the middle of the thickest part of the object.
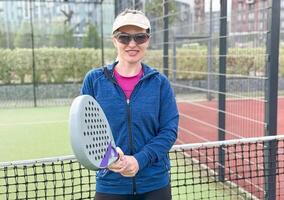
(33, 123)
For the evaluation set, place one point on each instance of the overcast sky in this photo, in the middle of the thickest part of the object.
(216, 5)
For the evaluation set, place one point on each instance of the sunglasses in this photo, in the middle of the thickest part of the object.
(125, 38)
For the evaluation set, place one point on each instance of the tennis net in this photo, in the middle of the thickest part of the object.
(251, 168)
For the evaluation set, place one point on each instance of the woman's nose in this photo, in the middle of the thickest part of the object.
(132, 43)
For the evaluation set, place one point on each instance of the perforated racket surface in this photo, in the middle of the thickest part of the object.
(91, 137)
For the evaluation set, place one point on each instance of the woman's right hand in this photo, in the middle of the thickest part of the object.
(121, 164)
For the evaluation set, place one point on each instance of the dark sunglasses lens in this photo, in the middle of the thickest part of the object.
(141, 38)
(123, 38)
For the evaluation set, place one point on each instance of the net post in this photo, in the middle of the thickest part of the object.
(270, 156)
(271, 97)
(222, 86)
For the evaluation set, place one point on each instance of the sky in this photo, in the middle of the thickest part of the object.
(215, 4)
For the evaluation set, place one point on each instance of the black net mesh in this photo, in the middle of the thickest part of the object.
(235, 169)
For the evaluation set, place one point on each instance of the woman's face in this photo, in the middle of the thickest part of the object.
(131, 53)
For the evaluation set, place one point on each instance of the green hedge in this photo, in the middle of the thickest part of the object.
(71, 64)
(51, 64)
(192, 63)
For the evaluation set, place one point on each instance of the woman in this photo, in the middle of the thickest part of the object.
(141, 109)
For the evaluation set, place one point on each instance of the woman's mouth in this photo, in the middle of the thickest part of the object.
(132, 52)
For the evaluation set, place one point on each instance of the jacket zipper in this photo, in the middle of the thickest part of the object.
(128, 122)
(130, 141)
(129, 130)
(134, 189)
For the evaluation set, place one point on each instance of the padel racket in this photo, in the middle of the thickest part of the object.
(91, 137)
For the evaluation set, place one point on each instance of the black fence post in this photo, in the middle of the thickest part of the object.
(271, 97)
(33, 54)
(222, 86)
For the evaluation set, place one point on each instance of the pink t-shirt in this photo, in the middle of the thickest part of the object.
(127, 83)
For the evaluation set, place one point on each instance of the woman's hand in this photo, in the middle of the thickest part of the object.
(126, 165)
(132, 167)
(120, 164)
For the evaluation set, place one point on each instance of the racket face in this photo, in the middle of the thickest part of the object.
(91, 137)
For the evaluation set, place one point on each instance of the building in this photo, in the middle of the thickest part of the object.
(77, 14)
(184, 24)
(214, 19)
(199, 16)
(249, 16)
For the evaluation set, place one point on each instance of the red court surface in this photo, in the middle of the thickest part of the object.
(199, 122)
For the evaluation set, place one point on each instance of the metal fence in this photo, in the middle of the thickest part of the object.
(47, 46)
(220, 57)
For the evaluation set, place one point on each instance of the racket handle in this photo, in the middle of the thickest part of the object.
(120, 152)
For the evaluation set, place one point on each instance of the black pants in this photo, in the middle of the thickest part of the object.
(160, 194)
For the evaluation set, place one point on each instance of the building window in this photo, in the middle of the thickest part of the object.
(282, 24)
(239, 27)
(250, 26)
(251, 16)
(240, 6)
(260, 15)
(240, 17)
(261, 4)
(251, 6)
(282, 4)
(261, 26)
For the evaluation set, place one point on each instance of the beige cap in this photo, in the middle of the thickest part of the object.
(131, 17)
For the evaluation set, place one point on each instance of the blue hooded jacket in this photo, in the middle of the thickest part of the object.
(145, 127)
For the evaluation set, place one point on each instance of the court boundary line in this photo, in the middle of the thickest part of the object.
(32, 123)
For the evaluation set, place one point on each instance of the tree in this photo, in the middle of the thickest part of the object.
(23, 36)
(61, 35)
(155, 9)
(2, 39)
(2, 35)
(92, 39)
